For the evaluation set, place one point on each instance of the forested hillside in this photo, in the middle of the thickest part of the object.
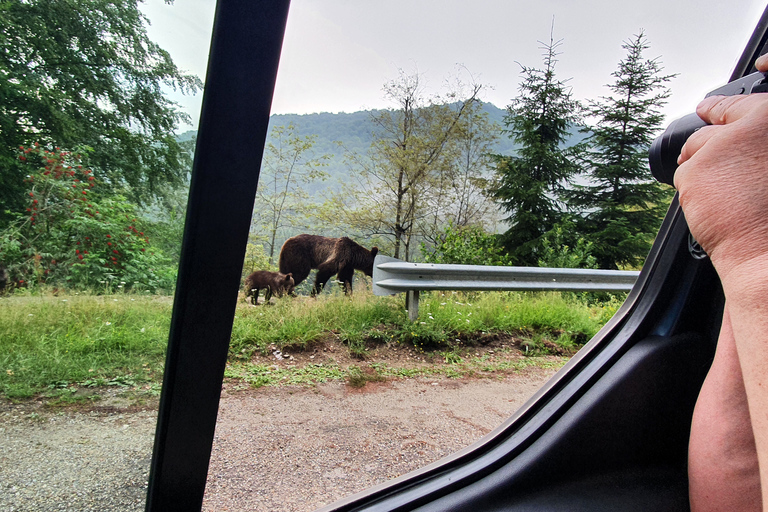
(342, 133)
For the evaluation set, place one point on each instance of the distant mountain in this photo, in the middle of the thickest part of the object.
(355, 130)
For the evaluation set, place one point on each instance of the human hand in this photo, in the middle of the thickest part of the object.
(723, 180)
(762, 63)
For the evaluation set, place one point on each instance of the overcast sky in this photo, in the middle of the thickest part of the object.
(338, 54)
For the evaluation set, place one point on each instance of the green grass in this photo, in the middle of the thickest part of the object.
(50, 343)
(58, 345)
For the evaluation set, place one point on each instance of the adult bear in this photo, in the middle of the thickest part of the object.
(339, 256)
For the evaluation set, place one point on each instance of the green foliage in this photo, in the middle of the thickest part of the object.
(359, 377)
(255, 259)
(529, 184)
(560, 318)
(467, 246)
(84, 72)
(563, 247)
(283, 206)
(73, 237)
(621, 208)
(405, 188)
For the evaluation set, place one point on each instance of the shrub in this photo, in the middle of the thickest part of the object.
(468, 245)
(71, 236)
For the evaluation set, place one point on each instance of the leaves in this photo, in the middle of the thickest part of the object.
(84, 72)
(621, 207)
(529, 185)
(288, 167)
(73, 236)
(425, 168)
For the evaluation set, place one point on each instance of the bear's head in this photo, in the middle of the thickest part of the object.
(368, 270)
(288, 283)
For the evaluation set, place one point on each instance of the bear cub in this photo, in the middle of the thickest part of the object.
(272, 282)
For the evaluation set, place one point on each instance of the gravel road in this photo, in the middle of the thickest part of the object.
(276, 449)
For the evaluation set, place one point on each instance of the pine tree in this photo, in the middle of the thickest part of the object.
(529, 184)
(622, 206)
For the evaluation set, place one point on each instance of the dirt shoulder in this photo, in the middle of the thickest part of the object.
(284, 448)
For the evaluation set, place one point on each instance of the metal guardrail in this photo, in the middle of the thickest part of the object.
(391, 276)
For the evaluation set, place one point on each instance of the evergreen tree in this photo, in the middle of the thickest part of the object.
(84, 74)
(622, 206)
(529, 184)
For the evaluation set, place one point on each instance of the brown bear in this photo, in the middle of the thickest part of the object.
(339, 256)
(273, 282)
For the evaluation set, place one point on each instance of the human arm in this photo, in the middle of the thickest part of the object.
(723, 184)
(723, 472)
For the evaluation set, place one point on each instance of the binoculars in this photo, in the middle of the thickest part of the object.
(666, 148)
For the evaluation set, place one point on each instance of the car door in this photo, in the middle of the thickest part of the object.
(608, 432)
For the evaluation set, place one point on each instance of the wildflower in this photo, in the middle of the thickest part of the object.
(107, 323)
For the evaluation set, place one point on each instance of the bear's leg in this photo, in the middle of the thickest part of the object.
(267, 294)
(345, 276)
(324, 273)
(255, 296)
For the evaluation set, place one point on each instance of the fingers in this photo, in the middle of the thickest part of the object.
(694, 143)
(722, 110)
(762, 63)
(726, 109)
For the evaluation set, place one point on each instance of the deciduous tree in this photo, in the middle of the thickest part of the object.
(282, 201)
(84, 73)
(414, 151)
(72, 236)
(460, 197)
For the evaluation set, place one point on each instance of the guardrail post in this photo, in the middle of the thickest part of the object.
(412, 304)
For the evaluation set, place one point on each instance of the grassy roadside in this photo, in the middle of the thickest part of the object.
(62, 346)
